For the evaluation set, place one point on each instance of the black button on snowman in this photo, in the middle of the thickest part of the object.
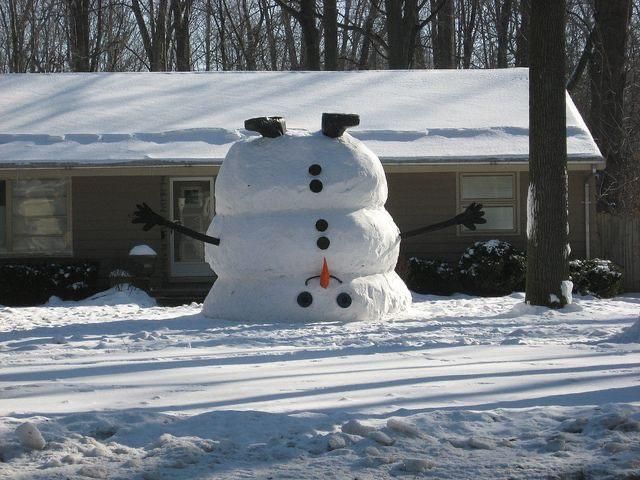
(272, 264)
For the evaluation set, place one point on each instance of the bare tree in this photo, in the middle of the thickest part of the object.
(155, 35)
(306, 16)
(503, 17)
(522, 35)
(468, 14)
(181, 15)
(330, 34)
(608, 78)
(547, 204)
(78, 12)
(443, 33)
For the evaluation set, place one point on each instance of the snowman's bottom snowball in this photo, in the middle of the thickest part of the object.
(275, 299)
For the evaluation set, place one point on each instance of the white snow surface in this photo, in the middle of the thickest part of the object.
(156, 118)
(456, 387)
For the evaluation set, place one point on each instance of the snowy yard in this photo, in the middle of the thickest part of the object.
(458, 387)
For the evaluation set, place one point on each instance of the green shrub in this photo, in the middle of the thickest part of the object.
(435, 277)
(601, 278)
(33, 284)
(493, 267)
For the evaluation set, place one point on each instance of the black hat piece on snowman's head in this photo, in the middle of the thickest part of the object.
(334, 124)
(270, 127)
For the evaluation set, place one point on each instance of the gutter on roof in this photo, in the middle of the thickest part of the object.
(488, 160)
(189, 162)
(409, 162)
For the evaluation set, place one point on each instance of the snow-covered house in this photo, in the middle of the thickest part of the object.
(78, 151)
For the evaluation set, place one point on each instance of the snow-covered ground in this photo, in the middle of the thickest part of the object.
(458, 387)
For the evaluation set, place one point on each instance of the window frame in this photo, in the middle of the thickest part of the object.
(8, 251)
(514, 202)
(189, 269)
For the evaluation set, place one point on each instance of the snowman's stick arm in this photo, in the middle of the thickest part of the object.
(469, 218)
(150, 219)
(192, 233)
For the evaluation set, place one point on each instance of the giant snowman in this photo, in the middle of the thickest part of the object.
(300, 231)
(308, 235)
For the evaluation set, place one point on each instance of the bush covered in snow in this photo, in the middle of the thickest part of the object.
(493, 267)
(33, 284)
(436, 277)
(601, 278)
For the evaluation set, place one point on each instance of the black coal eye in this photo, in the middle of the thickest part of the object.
(315, 186)
(315, 169)
(344, 300)
(305, 299)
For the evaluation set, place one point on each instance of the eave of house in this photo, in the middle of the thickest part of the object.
(211, 167)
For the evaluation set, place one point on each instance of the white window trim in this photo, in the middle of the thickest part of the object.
(176, 271)
(498, 202)
(8, 251)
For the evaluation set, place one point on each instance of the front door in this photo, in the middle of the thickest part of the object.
(192, 206)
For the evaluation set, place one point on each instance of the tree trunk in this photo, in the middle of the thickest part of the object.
(522, 35)
(222, 35)
(402, 27)
(547, 204)
(160, 45)
(345, 36)
(271, 38)
(468, 20)
(154, 38)
(17, 58)
(181, 15)
(444, 45)
(208, 13)
(290, 41)
(503, 16)
(607, 74)
(330, 30)
(78, 15)
(306, 17)
(365, 51)
(310, 35)
(97, 49)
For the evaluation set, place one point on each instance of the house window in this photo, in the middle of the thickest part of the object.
(34, 216)
(497, 194)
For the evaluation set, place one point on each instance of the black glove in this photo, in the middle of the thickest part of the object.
(471, 216)
(145, 215)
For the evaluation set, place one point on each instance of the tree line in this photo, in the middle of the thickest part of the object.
(602, 45)
(182, 35)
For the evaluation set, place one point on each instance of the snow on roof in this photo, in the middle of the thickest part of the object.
(155, 118)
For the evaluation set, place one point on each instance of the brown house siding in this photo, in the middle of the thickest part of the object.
(102, 228)
(102, 205)
(418, 199)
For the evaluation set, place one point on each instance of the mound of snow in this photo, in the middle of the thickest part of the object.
(416, 465)
(30, 437)
(628, 335)
(120, 295)
(403, 427)
(355, 427)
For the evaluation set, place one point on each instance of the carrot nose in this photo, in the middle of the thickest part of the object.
(324, 275)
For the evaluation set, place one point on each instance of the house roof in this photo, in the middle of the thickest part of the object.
(415, 116)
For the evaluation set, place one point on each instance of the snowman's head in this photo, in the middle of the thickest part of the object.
(283, 171)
